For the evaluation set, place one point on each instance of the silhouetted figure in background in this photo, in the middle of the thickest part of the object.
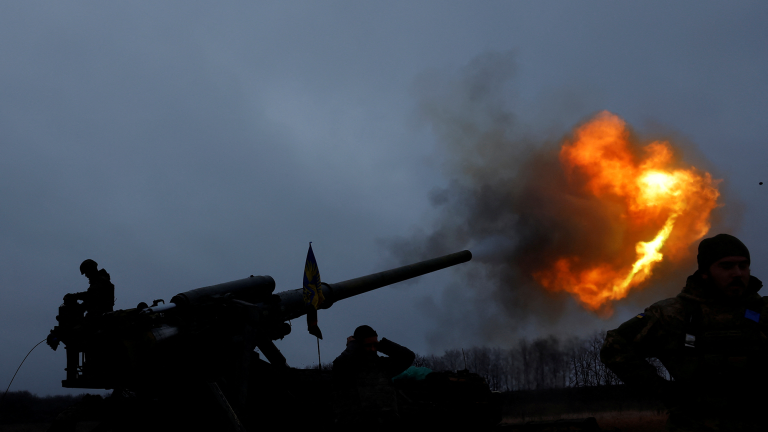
(100, 296)
(98, 299)
(363, 380)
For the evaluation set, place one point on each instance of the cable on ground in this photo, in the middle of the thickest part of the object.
(17, 370)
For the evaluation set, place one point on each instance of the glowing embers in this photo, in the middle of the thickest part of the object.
(659, 208)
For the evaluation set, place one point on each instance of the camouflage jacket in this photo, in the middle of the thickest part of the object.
(714, 349)
(362, 380)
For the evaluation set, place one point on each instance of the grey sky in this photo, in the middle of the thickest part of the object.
(184, 144)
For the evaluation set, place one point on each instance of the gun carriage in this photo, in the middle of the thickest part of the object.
(197, 350)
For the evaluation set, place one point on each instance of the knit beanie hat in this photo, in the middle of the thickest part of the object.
(364, 332)
(720, 246)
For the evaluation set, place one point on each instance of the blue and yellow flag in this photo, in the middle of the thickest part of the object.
(313, 293)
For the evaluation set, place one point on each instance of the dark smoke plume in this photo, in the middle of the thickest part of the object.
(508, 202)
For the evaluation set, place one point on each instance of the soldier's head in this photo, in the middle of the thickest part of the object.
(724, 262)
(88, 267)
(367, 336)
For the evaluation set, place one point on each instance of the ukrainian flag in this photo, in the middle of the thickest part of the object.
(313, 294)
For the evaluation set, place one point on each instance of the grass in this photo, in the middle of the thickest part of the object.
(618, 421)
(24, 427)
(84, 426)
(612, 421)
(637, 421)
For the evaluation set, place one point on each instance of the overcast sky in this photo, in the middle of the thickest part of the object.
(184, 144)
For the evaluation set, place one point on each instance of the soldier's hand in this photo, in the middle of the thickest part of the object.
(350, 339)
(70, 299)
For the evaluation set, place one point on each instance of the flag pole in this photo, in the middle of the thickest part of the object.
(319, 365)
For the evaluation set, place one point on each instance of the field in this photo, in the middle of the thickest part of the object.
(636, 421)
(631, 422)
(614, 407)
(625, 421)
(42, 427)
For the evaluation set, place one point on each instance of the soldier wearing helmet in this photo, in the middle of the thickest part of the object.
(712, 339)
(100, 296)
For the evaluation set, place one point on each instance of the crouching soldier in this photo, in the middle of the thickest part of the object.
(362, 380)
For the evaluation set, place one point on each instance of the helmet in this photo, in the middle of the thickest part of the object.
(88, 266)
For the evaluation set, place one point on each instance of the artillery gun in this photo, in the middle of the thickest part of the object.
(169, 364)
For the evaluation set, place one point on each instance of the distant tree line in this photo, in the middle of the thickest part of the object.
(542, 363)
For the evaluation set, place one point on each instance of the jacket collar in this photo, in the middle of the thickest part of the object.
(698, 290)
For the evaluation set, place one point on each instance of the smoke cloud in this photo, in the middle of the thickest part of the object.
(510, 202)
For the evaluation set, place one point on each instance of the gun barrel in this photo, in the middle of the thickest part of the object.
(251, 289)
(353, 287)
(292, 302)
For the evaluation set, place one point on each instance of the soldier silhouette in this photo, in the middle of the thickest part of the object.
(99, 298)
(362, 380)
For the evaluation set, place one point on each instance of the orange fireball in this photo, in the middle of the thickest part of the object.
(664, 209)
